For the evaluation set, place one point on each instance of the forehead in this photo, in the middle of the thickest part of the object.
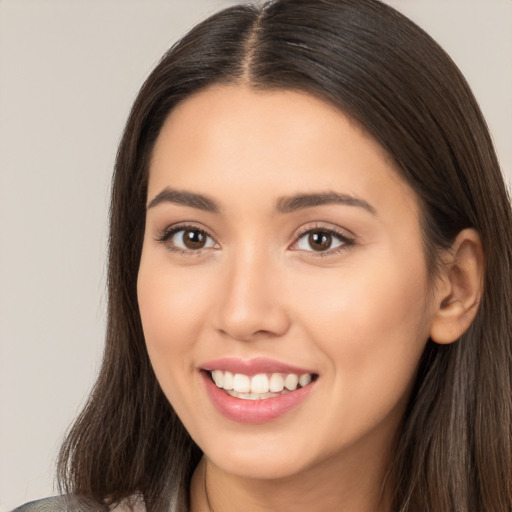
(277, 141)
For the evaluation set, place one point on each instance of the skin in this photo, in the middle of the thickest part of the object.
(358, 314)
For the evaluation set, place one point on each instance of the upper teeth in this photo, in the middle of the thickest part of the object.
(260, 383)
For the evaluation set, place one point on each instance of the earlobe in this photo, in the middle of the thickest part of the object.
(459, 288)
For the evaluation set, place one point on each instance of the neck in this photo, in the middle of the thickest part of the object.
(358, 489)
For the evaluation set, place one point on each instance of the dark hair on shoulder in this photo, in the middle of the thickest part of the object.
(454, 451)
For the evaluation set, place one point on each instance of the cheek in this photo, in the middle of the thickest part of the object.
(171, 307)
(379, 293)
(372, 323)
(172, 313)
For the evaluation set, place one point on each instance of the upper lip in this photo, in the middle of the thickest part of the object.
(253, 366)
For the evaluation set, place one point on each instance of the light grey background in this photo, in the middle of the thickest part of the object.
(69, 70)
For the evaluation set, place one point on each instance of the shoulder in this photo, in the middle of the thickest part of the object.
(68, 503)
(71, 503)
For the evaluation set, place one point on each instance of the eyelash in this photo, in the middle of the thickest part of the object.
(169, 232)
(346, 241)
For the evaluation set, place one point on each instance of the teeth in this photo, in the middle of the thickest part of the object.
(276, 383)
(218, 378)
(228, 380)
(241, 383)
(259, 386)
(291, 381)
(304, 380)
(252, 396)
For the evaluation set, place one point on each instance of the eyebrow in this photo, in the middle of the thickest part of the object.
(287, 204)
(302, 201)
(199, 201)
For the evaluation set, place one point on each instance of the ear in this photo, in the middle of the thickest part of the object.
(458, 288)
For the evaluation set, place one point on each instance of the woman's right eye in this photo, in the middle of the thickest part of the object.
(188, 239)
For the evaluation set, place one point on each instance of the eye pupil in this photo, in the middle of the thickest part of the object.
(320, 241)
(194, 239)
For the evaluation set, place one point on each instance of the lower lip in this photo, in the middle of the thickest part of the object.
(253, 411)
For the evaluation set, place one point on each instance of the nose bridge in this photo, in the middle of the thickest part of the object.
(251, 301)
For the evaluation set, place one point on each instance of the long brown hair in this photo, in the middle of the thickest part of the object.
(454, 451)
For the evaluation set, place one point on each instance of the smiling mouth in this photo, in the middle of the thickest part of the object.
(260, 386)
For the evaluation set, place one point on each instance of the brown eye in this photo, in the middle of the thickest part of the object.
(188, 239)
(320, 241)
(194, 239)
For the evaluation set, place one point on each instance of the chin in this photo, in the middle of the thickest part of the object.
(264, 456)
(254, 466)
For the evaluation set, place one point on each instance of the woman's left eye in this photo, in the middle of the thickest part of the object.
(322, 240)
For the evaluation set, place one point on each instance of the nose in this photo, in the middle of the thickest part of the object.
(251, 301)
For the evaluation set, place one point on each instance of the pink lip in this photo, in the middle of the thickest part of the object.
(253, 411)
(252, 366)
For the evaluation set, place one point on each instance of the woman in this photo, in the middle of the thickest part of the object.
(309, 281)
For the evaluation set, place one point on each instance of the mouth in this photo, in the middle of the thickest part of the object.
(261, 386)
(257, 390)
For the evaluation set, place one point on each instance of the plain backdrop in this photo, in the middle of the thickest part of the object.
(69, 71)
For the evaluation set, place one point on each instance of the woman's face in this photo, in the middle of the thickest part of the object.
(281, 249)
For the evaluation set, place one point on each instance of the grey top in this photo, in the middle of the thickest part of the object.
(59, 504)
(70, 503)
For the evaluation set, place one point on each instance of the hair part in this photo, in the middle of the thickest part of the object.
(454, 451)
